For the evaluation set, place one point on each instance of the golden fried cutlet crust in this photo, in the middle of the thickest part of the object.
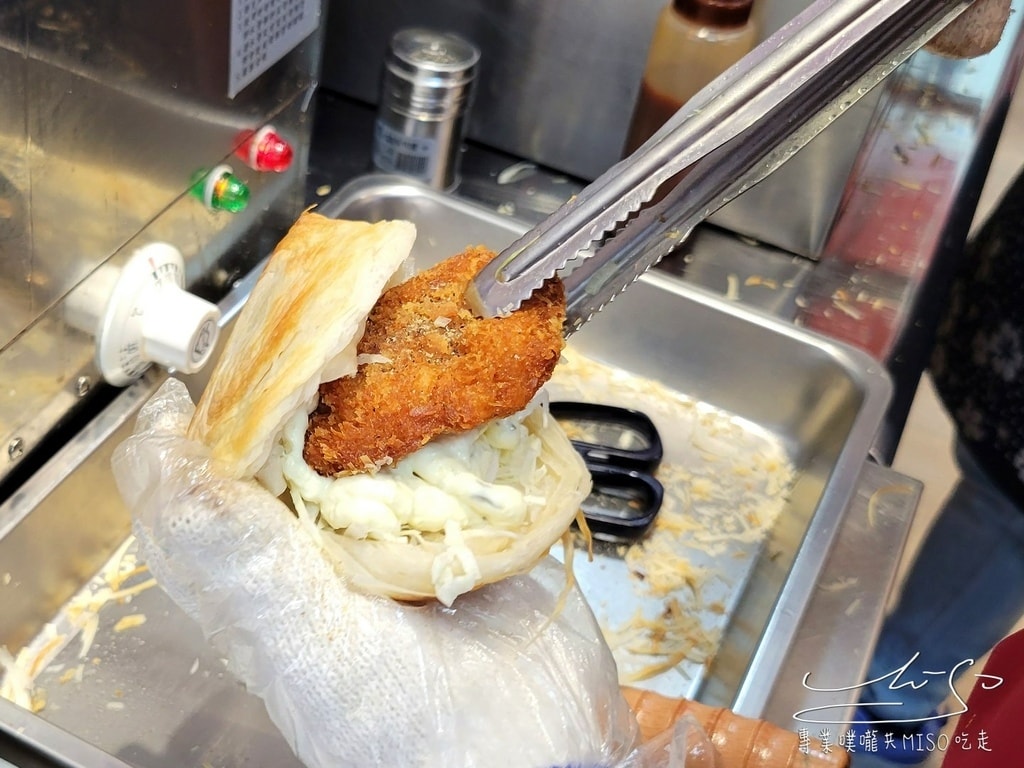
(449, 371)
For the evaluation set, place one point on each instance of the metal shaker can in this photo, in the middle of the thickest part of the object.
(425, 93)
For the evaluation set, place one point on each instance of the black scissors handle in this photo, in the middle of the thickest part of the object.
(622, 504)
(632, 424)
(621, 447)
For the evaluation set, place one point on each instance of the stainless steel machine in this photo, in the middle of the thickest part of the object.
(150, 155)
(115, 115)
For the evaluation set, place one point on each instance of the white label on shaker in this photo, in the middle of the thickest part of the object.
(394, 152)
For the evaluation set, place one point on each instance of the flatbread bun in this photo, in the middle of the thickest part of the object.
(299, 327)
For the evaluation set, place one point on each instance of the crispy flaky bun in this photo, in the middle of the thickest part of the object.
(298, 328)
(409, 434)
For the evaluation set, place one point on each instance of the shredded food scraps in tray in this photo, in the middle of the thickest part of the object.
(664, 602)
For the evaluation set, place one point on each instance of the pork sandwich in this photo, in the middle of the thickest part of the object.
(412, 437)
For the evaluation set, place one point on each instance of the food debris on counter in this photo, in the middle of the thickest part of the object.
(130, 622)
(838, 585)
(79, 618)
(516, 172)
(732, 291)
(765, 282)
(876, 498)
(670, 639)
(854, 606)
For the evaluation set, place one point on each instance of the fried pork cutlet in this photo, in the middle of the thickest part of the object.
(440, 369)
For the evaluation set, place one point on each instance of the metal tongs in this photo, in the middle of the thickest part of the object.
(731, 135)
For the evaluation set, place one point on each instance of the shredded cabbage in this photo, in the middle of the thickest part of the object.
(476, 480)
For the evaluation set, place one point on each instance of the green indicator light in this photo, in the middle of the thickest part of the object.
(220, 189)
(229, 194)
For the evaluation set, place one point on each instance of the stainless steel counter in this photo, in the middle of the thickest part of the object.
(838, 630)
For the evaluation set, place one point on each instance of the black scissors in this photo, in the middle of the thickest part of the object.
(622, 448)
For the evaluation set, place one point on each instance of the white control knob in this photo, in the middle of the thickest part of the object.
(147, 316)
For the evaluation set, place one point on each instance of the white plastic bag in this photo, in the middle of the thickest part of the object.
(506, 677)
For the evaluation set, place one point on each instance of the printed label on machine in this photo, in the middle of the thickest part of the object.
(262, 32)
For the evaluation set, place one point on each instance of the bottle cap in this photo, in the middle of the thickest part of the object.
(715, 13)
(428, 74)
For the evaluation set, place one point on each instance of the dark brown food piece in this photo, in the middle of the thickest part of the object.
(447, 371)
(974, 32)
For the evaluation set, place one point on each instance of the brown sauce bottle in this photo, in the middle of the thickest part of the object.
(694, 42)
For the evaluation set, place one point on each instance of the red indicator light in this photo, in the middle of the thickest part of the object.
(265, 150)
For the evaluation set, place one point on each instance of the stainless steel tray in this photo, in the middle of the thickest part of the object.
(779, 389)
(154, 695)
